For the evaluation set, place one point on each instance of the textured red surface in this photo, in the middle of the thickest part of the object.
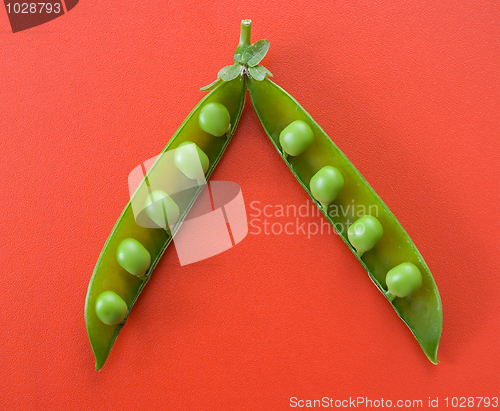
(409, 90)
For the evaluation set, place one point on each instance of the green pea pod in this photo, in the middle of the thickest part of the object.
(421, 311)
(108, 274)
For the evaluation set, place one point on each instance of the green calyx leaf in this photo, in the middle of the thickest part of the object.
(238, 54)
(254, 54)
(246, 59)
(212, 85)
(259, 73)
(229, 73)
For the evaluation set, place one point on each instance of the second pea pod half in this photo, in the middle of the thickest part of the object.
(154, 213)
(372, 232)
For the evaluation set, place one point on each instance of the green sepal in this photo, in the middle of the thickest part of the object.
(254, 54)
(259, 73)
(238, 54)
(229, 73)
(212, 85)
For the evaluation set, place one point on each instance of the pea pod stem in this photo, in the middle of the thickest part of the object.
(245, 33)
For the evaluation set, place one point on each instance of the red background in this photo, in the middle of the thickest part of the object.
(408, 90)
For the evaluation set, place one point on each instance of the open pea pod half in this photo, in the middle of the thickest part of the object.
(118, 278)
(282, 116)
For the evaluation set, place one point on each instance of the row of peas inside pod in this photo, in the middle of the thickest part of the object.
(159, 206)
(403, 279)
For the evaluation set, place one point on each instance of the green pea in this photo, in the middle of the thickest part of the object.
(191, 160)
(160, 207)
(110, 308)
(364, 233)
(133, 257)
(404, 279)
(326, 184)
(215, 119)
(296, 138)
